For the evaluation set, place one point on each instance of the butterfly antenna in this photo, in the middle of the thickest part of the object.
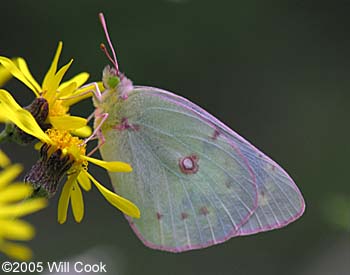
(103, 47)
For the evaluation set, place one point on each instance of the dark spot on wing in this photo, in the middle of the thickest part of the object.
(203, 211)
(228, 184)
(159, 216)
(189, 164)
(184, 216)
(215, 134)
(125, 125)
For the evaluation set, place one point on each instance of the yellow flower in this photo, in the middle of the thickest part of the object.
(13, 206)
(59, 97)
(62, 154)
(68, 154)
(78, 176)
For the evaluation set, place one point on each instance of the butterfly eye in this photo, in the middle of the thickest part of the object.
(113, 81)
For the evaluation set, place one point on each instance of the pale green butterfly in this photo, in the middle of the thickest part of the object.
(197, 183)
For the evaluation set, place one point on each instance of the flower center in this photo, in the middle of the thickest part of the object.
(62, 156)
(62, 139)
(58, 109)
(48, 171)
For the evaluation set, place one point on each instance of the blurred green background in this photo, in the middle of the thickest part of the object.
(277, 72)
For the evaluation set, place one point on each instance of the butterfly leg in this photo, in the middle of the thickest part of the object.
(94, 89)
(90, 116)
(85, 90)
(98, 133)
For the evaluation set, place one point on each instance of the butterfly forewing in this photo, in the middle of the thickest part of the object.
(194, 187)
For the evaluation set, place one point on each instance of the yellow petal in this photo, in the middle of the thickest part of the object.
(23, 208)
(37, 146)
(112, 166)
(101, 86)
(64, 199)
(27, 123)
(84, 181)
(16, 251)
(79, 80)
(7, 101)
(119, 202)
(79, 95)
(9, 174)
(5, 75)
(60, 74)
(67, 90)
(16, 72)
(77, 203)
(82, 132)
(15, 192)
(20, 117)
(22, 65)
(67, 122)
(55, 82)
(52, 70)
(4, 160)
(16, 230)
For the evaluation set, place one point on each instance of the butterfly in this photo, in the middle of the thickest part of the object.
(197, 182)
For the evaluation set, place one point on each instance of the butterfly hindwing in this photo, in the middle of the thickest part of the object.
(279, 199)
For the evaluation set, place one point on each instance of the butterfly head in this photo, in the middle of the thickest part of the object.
(110, 77)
